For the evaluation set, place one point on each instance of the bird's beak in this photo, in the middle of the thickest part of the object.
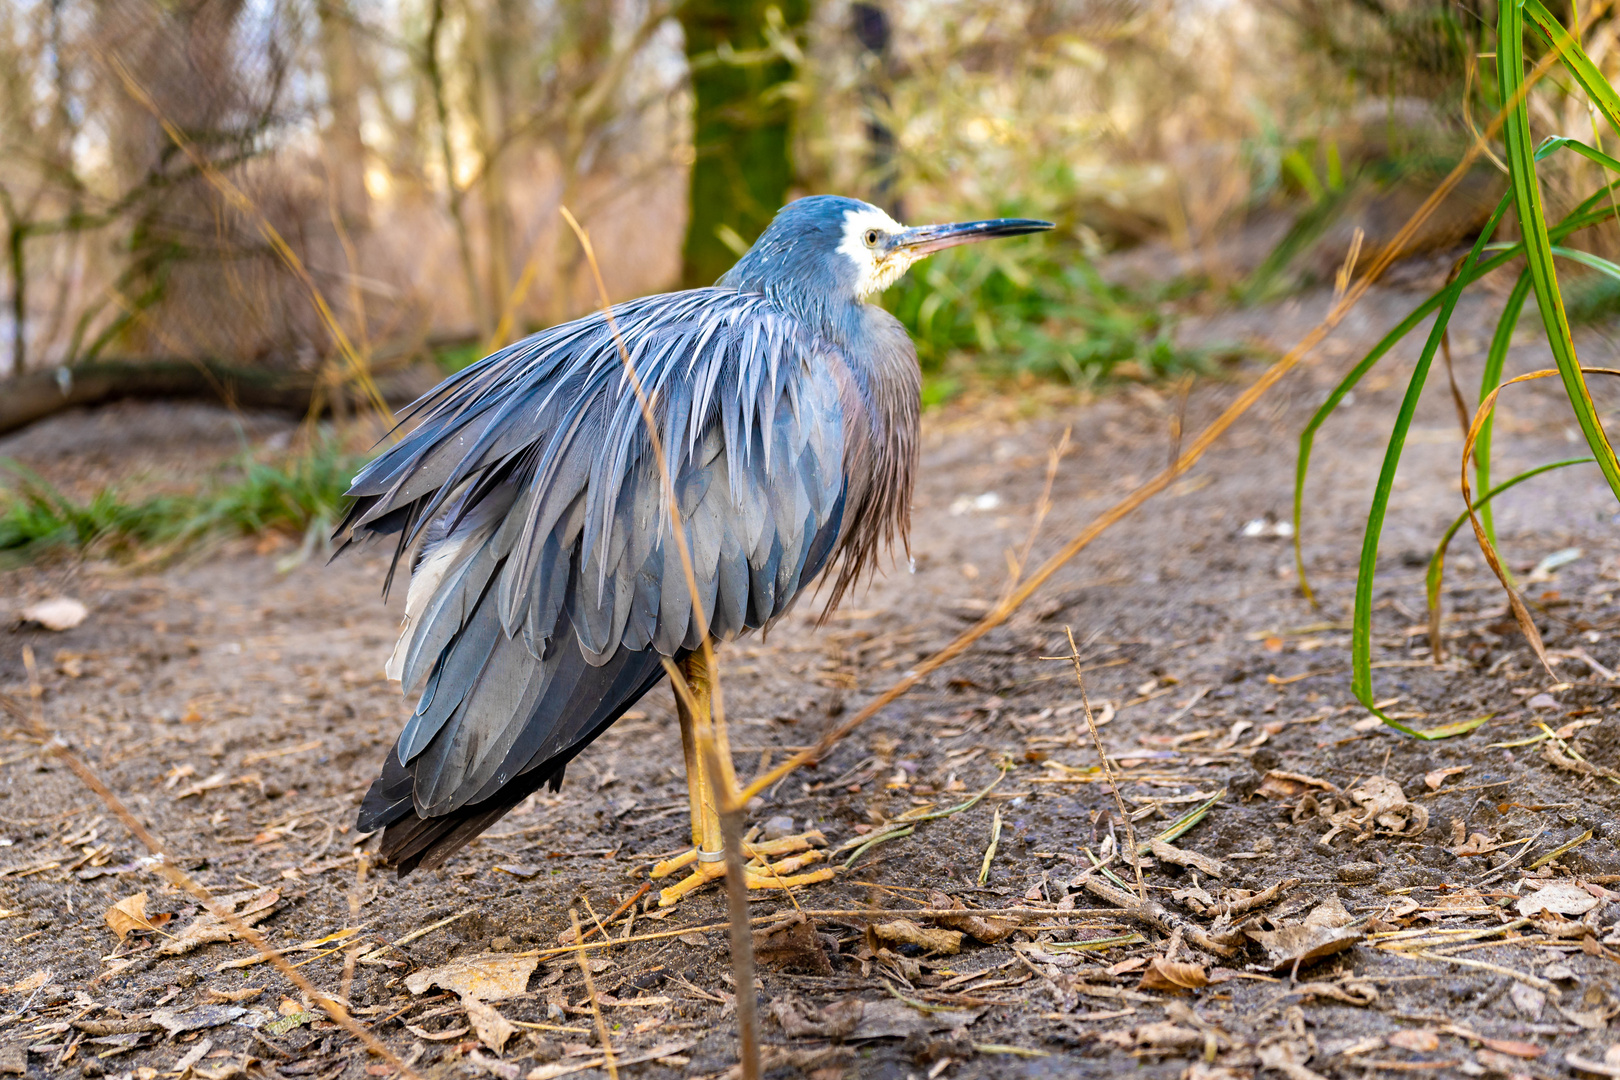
(925, 239)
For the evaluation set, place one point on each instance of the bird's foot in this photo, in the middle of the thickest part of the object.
(758, 873)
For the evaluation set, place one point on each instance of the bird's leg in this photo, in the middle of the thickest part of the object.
(698, 717)
(694, 706)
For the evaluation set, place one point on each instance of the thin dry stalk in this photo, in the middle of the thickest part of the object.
(990, 851)
(164, 866)
(1178, 420)
(1043, 506)
(1108, 768)
(362, 865)
(1347, 271)
(730, 809)
(509, 306)
(646, 887)
(596, 1004)
(1132, 502)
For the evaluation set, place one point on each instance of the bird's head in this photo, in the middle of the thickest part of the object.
(825, 249)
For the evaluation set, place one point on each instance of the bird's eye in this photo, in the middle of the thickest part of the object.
(871, 237)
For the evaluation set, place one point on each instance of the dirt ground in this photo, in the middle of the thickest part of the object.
(1418, 926)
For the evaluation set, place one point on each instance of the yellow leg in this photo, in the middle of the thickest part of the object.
(708, 843)
(705, 821)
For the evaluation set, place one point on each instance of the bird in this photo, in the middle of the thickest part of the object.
(559, 499)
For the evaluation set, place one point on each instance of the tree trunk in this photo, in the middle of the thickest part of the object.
(458, 216)
(744, 166)
(345, 148)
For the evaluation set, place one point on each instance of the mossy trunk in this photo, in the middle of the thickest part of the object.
(742, 130)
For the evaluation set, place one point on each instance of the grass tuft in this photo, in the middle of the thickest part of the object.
(1036, 309)
(300, 495)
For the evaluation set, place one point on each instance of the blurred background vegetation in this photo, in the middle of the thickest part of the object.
(293, 199)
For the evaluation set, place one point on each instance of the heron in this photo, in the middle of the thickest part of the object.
(769, 423)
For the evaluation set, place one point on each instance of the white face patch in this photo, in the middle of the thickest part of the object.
(874, 270)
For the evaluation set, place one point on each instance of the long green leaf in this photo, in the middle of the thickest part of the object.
(1361, 619)
(1575, 59)
(1489, 380)
(1521, 160)
(1587, 259)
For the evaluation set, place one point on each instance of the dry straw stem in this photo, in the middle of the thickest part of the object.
(730, 809)
(1132, 502)
(164, 866)
(596, 1004)
(1108, 768)
(359, 369)
(1521, 614)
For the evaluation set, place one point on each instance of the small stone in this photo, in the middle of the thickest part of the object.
(778, 827)
(1358, 873)
(1542, 701)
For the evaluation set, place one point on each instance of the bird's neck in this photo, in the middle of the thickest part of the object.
(843, 320)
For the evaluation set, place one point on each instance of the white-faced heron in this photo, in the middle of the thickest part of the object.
(546, 589)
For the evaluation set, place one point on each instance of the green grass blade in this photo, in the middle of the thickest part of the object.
(1361, 620)
(1489, 380)
(1586, 258)
(1437, 561)
(1457, 727)
(1521, 160)
(1575, 59)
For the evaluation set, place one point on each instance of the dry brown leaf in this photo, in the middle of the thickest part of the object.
(1169, 853)
(792, 946)
(252, 906)
(853, 1018)
(128, 915)
(1302, 944)
(489, 977)
(1173, 975)
(1559, 898)
(437, 1036)
(906, 932)
(1281, 785)
(32, 983)
(990, 930)
(1433, 780)
(196, 1054)
(488, 1024)
(1418, 1040)
(1514, 1048)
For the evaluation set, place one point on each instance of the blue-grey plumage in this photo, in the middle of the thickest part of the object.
(545, 588)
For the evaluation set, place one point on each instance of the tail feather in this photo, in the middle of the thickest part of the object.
(412, 842)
